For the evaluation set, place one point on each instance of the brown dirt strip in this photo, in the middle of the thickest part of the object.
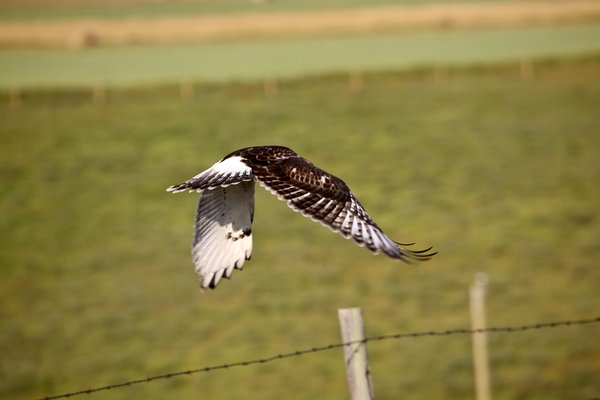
(81, 33)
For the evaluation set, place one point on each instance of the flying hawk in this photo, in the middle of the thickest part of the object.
(223, 228)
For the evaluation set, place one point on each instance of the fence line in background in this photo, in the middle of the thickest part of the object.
(271, 86)
(297, 353)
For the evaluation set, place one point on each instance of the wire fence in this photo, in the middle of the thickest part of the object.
(297, 353)
(356, 81)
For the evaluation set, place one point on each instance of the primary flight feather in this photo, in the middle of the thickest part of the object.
(223, 228)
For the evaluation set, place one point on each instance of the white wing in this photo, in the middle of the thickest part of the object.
(223, 228)
(229, 171)
(223, 232)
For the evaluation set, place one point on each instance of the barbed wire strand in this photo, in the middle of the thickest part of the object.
(449, 332)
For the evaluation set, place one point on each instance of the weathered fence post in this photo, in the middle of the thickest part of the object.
(14, 97)
(186, 90)
(270, 87)
(99, 94)
(526, 70)
(480, 352)
(355, 354)
(356, 81)
(440, 74)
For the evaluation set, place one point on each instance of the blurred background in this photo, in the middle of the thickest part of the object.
(472, 126)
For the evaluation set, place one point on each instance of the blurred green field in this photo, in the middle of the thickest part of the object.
(260, 59)
(66, 9)
(499, 174)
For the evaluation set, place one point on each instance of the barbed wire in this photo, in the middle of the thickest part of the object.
(297, 353)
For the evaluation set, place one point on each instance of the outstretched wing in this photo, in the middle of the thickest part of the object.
(223, 227)
(325, 198)
(223, 232)
(228, 171)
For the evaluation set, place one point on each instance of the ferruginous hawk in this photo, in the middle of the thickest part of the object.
(223, 228)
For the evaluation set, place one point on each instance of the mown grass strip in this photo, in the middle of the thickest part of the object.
(268, 59)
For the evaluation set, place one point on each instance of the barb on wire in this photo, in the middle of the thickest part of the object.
(449, 332)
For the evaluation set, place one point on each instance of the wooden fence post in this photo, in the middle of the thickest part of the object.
(440, 74)
(99, 94)
(355, 354)
(14, 97)
(480, 352)
(356, 81)
(526, 70)
(270, 87)
(186, 90)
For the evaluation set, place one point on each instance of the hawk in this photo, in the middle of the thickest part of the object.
(223, 227)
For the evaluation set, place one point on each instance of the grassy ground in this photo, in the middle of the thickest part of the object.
(261, 59)
(66, 9)
(500, 175)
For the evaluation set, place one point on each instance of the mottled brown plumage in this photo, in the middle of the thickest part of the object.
(306, 188)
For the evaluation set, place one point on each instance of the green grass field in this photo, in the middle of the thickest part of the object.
(256, 60)
(500, 175)
(66, 9)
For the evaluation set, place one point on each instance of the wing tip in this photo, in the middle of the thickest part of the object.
(408, 255)
(211, 281)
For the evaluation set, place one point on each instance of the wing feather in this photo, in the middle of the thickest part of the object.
(223, 232)
(228, 171)
(324, 198)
